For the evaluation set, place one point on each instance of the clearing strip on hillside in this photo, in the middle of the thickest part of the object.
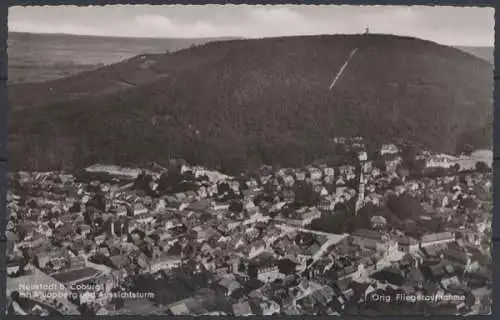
(342, 68)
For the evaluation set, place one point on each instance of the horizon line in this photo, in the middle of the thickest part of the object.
(226, 37)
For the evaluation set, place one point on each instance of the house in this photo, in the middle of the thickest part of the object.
(84, 230)
(391, 165)
(347, 272)
(229, 285)
(139, 209)
(378, 222)
(329, 180)
(181, 308)
(435, 251)
(435, 272)
(191, 195)
(200, 205)
(14, 265)
(242, 309)
(441, 161)
(288, 195)
(164, 262)
(120, 211)
(456, 256)
(44, 230)
(362, 156)
(408, 244)
(367, 167)
(326, 204)
(199, 171)
(316, 174)
(415, 278)
(180, 197)
(346, 170)
(288, 181)
(369, 238)
(308, 216)
(329, 172)
(118, 262)
(77, 263)
(250, 207)
(300, 176)
(266, 271)
(172, 201)
(100, 239)
(323, 192)
(145, 218)
(204, 232)
(388, 149)
(269, 308)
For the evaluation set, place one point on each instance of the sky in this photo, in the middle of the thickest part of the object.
(457, 26)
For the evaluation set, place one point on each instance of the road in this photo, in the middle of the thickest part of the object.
(335, 237)
(102, 268)
(332, 239)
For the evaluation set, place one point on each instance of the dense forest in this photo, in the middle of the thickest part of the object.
(238, 104)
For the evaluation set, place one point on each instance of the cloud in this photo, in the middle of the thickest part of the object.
(458, 26)
(161, 26)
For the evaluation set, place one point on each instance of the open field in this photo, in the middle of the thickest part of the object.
(43, 57)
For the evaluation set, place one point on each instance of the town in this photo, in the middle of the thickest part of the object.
(366, 233)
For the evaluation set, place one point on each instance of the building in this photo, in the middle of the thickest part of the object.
(388, 149)
(268, 273)
(229, 285)
(441, 161)
(436, 238)
(408, 244)
(139, 209)
(378, 222)
(361, 193)
(242, 309)
(315, 174)
(288, 195)
(309, 216)
(114, 171)
(369, 238)
(329, 172)
(164, 262)
(326, 204)
(362, 156)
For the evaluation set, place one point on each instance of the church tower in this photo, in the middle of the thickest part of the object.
(361, 189)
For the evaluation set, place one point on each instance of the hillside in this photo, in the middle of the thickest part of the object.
(243, 102)
(485, 53)
(36, 57)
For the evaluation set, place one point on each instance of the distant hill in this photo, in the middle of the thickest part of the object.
(239, 103)
(485, 53)
(42, 57)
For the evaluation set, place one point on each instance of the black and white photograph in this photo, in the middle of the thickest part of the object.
(246, 160)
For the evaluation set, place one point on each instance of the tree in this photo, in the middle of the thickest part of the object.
(142, 182)
(482, 167)
(15, 295)
(98, 202)
(305, 195)
(404, 206)
(76, 207)
(236, 206)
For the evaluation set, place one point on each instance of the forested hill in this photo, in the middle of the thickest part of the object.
(245, 102)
